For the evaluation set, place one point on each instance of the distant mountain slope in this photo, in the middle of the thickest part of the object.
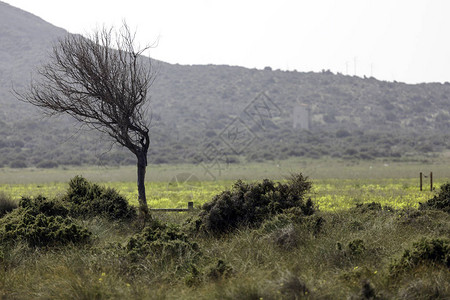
(195, 107)
(25, 40)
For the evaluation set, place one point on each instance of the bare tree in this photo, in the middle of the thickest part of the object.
(102, 81)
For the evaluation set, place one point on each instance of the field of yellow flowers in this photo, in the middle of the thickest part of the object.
(328, 194)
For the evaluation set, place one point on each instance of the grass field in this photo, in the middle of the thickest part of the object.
(340, 252)
(329, 194)
(315, 169)
(337, 184)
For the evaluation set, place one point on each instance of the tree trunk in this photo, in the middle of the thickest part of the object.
(141, 168)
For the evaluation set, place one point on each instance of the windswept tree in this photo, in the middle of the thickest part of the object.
(102, 81)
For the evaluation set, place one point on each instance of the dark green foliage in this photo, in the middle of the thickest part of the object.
(41, 222)
(166, 240)
(40, 230)
(308, 208)
(249, 204)
(42, 205)
(356, 247)
(47, 164)
(314, 224)
(440, 202)
(18, 164)
(6, 204)
(88, 199)
(367, 292)
(426, 251)
(366, 207)
(341, 133)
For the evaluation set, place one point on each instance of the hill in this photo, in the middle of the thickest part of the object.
(223, 114)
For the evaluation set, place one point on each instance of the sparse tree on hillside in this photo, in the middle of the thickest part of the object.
(102, 81)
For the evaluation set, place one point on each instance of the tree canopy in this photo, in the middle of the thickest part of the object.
(102, 81)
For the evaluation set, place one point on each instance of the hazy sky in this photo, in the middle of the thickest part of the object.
(399, 40)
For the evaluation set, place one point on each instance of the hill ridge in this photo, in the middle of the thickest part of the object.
(351, 117)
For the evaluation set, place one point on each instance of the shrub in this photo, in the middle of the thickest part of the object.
(42, 205)
(356, 247)
(18, 164)
(314, 224)
(249, 204)
(47, 164)
(6, 204)
(89, 199)
(159, 239)
(367, 292)
(425, 251)
(439, 202)
(341, 133)
(367, 207)
(40, 230)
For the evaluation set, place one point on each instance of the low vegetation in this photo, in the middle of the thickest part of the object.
(87, 199)
(441, 201)
(6, 204)
(249, 204)
(279, 247)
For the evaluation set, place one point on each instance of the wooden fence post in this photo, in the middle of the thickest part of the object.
(431, 181)
(420, 181)
(190, 207)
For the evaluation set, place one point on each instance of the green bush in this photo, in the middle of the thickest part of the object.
(367, 207)
(41, 222)
(42, 205)
(367, 292)
(249, 204)
(356, 247)
(439, 202)
(47, 164)
(40, 230)
(6, 204)
(88, 199)
(17, 164)
(426, 251)
(165, 240)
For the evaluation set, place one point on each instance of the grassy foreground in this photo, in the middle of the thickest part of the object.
(349, 254)
(343, 251)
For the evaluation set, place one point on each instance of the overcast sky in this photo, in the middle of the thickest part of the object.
(400, 40)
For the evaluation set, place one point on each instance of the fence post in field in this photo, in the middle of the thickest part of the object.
(420, 181)
(431, 181)
(190, 205)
